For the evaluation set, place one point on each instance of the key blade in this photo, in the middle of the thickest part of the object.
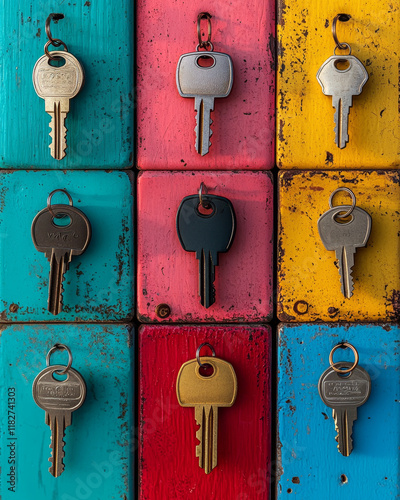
(58, 266)
(345, 257)
(58, 133)
(207, 417)
(58, 423)
(344, 419)
(203, 107)
(341, 117)
(206, 277)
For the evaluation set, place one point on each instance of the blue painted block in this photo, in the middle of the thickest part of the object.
(99, 285)
(309, 464)
(100, 125)
(98, 449)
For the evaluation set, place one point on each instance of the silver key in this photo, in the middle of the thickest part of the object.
(344, 238)
(58, 398)
(342, 85)
(57, 85)
(60, 244)
(204, 84)
(344, 394)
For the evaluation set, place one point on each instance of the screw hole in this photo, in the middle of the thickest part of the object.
(343, 479)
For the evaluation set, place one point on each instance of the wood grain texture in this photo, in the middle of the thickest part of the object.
(168, 274)
(168, 464)
(100, 122)
(305, 136)
(99, 458)
(244, 123)
(310, 465)
(308, 278)
(99, 284)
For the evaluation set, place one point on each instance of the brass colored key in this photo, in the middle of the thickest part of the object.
(206, 394)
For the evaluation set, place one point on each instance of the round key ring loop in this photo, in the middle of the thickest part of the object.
(56, 42)
(346, 46)
(60, 347)
(203, 191)
(48, 54)
(353, 203)
(71, 203)
(344, 18)
(203, 44)
(343, 345)
(198, 352)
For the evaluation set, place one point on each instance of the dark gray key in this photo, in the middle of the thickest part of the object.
(58, 398)
(204, 84)
(344, 394)
(207, 235)
(60, 244)
(344, 239)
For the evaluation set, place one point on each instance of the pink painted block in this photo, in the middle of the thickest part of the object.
(167, 274)
(244, 122)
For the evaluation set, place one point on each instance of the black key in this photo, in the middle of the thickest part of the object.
(207, 234)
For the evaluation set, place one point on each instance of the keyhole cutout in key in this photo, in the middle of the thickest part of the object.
(342, 64)
(206, 370)
(345, 220)
(59, 377)
(205, 61)
(64, 221)
(205, 210)
(57, 63)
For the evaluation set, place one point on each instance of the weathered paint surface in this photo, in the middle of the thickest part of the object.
(308, 277)
(305, 136)
(98, 450)
(100, 121)
(99, 285)
(310, 465)
(167, 274)
(243, 123)
(168, 464)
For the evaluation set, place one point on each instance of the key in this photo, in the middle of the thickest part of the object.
(344, 394)
(58, 398)
(344, 239)
(57, 86)
(207, 235)
(60, 244)
(206, 395)
(204, 84)
(342, 85)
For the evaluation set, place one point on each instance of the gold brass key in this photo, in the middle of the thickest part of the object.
(206, 394)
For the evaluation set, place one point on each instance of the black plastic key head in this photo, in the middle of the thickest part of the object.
(207, 234)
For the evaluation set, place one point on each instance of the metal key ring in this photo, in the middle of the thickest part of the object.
(71, 203)
(53, 17)
(203, 187)
(60, 347)
(200, 348)
(343, 345)
(48, 54)
(346, 45)
(343, 18)
(204, 43)
(353, 204)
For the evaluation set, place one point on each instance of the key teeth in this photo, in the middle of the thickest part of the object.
(61, 456)
(64, 140)
(351, 281)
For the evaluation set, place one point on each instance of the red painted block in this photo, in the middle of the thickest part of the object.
(167, 274)
(244, 122)
(169, 467)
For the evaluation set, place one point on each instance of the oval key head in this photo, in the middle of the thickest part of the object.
(219, 389)
(354, 233)
(74, 237)
(58, 82)
(194, 80)
(352, 389)
(54, 395)
(341, 82)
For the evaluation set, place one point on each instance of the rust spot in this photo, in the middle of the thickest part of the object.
(325, 416)
(14, 308)
(163, 311)
(395, 300)
(39, 32)
(87, 3)
(301, 307)
(272, 48)
(286, 317)
(333, 311)
(295, 480)
(329, 159)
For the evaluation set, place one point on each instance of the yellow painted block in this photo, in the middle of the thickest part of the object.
(308, 277)
(305, 136)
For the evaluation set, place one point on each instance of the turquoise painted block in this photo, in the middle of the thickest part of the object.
(99, 285)
(100, 124)
(309, 464)
(98, 449)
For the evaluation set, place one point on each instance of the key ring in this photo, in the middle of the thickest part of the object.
(71, 203)
(343, 345)
(344, 18)
(203, 44)
(353, 205)
(198, 352)
(56, 42)
(203, 203)
(60, 347)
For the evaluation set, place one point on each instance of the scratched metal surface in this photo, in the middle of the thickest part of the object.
(100, 122)
(309, 464)
(98, 453)
(99, 284)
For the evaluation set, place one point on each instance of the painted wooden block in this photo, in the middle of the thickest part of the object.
(169, 275)
(309, 464)
(168, 463)
(243, 123)
(98, 455)
(99, 285)
(305, 116)
(100, 121)
(308, 279)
